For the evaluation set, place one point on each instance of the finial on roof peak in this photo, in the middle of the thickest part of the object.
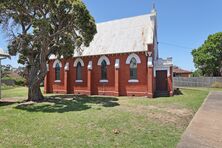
(153, 8)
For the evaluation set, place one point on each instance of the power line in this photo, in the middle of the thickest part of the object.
(175, 45)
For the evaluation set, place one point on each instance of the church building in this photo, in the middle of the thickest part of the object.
(122, 60)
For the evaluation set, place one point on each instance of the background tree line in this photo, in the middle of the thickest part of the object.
(208, 57)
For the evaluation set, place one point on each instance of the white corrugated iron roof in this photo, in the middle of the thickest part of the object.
(3, 54)
(120, 36)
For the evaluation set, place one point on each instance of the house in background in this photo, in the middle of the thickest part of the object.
(179, 72)
(122, 60)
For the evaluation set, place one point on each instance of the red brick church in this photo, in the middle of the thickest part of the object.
(122, 60)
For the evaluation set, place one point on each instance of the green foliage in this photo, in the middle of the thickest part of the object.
(64, 24)
(208, 57)
(197, 73)
(7, 78)
(18, 81)
(39, 28)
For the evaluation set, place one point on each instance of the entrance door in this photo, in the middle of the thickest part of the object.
(161, 80)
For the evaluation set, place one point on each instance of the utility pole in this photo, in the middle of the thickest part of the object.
(3, 56)
(0, 78)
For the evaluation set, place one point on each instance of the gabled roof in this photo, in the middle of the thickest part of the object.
(181, 71)
(121, 36)
(3, 54)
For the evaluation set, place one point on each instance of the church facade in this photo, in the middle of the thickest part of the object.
(122, 60)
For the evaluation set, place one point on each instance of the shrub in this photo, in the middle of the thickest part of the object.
(7, 78)
(217, 85)
(20, 82)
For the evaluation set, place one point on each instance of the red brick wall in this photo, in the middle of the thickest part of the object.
(98, 88)
(76, 87)
(93, 86)
(56, 87)
(137, 89)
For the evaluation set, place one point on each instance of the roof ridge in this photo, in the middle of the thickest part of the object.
(124, 35)
(122, 19)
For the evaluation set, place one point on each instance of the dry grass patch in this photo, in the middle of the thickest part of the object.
(170, 114)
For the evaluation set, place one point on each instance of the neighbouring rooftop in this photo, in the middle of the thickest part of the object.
(177, 69)
(4, 54)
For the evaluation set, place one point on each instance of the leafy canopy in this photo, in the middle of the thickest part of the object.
(39, 28)
(208, 57)
(49, 26)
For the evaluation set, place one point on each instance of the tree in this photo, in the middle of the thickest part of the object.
(208, 57)
(39, 28)
(197, 73)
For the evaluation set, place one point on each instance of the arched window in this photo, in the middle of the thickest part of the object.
(133, 69)
(79, 71)
(57, 71)
(104, 70)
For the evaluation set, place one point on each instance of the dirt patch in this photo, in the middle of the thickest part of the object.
(13, 100)
(164, 114)
(9, 100)
(180, 118)
(179, 112)
(26, 103)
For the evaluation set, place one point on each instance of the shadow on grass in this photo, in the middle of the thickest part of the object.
(177, 92)
(67, 103)
(6, 103)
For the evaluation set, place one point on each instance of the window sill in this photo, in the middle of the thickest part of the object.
(79, 81)
(133, 81)
(57, 81)
(103, 81)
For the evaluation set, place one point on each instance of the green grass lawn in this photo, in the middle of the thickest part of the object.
(69, 121)
(203, 88)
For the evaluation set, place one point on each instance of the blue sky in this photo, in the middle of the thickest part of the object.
(182, 24)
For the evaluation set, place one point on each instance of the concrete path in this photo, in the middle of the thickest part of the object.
(205, 130)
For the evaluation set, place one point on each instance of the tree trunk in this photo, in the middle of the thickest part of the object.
(35, 77)
(35, 94)
(36, 73)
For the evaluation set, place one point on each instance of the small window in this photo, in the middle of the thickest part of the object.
(79, 71)
(104, 70)
(57, 72)
(133, 69)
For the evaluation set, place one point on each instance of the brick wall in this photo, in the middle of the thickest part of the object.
(123, 87)
(118, 78)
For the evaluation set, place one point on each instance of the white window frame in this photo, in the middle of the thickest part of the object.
(103, 58)
(138, 61)
(77, 61)
(54, 66)
(133, 81)
(57, 61)
(79, 81)
(133, 55)
(107, 63)
(103, 81)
